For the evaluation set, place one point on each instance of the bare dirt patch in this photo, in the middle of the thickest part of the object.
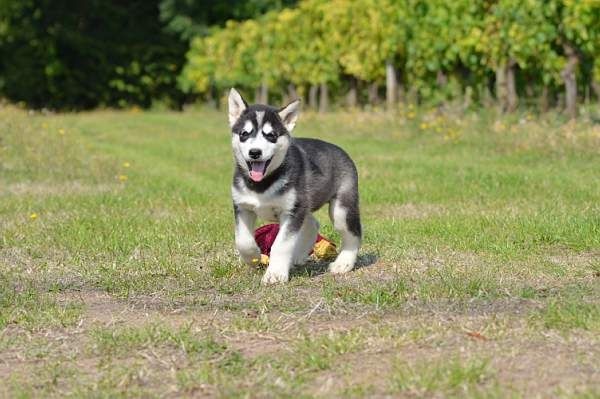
(547, 363)
(519, 360)
(525, 360)
(104, 309)
(573, 260)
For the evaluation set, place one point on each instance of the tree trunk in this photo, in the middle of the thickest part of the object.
(291, 94)
(352, 96)
(587, 95)
(324, 98)
(501, 88)
(529, 89)
(544, 99)
(401, 92)
(373, 94)
(212, 97)
(391, 85)
(569, 76)
(312, 96)
(485, 93)
(264, 93)
(560, 100)
(257, 98)
(596, 89)
(413, 95)
(441, 79)
(511, 87)
(467, 97)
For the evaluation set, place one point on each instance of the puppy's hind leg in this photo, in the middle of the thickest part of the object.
(344, 213)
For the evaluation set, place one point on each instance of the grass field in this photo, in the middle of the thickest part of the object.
(479, 275)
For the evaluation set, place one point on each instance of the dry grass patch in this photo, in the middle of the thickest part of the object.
(46, 189)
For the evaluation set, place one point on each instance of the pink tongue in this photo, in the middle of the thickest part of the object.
(258, 170)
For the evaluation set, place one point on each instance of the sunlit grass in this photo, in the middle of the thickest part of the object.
(471, 221)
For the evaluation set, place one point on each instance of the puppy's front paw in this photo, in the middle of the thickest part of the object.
(250, 255)
(275, 275)
(341, 265)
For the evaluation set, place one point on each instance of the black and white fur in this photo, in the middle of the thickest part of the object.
(284, 179)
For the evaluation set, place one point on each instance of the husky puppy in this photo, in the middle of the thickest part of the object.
(283, 179)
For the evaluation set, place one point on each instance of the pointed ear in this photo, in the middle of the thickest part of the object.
(237, 105)
(289, 115)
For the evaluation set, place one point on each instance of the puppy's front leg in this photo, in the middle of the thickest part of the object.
(282, 251)
(244, 235)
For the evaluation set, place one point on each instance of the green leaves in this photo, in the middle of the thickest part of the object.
(366, 34)
(438, 46)
(520, 31)
(66, 55)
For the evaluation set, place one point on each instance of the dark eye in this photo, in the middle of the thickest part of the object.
(270, 136)
(244, 133)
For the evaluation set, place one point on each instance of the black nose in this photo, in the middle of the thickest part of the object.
(255, 153)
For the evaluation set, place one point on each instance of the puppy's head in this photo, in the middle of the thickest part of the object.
(260, 134)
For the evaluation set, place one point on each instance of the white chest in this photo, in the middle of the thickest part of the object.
(268, 205)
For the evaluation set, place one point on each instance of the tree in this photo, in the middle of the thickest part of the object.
(517, 33)
(596, 79)
(192, 18)
(295, 51)
(74, 55)
(440, 44)
(198, 75)
(441, 49)
(578, 25)
(370, 36)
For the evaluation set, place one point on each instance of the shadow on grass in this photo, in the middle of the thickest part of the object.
(313, 268)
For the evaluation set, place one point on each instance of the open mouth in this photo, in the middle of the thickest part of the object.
(257, 169)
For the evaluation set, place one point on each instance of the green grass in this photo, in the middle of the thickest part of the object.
(25, 305)
(118, 276)
(448, 377)
(122, 341)
(571, 311)
(318, 353)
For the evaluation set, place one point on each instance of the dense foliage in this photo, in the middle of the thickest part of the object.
(82, 54)
(189, 18)
(67, 54)
(437, 50)
(70, 55)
